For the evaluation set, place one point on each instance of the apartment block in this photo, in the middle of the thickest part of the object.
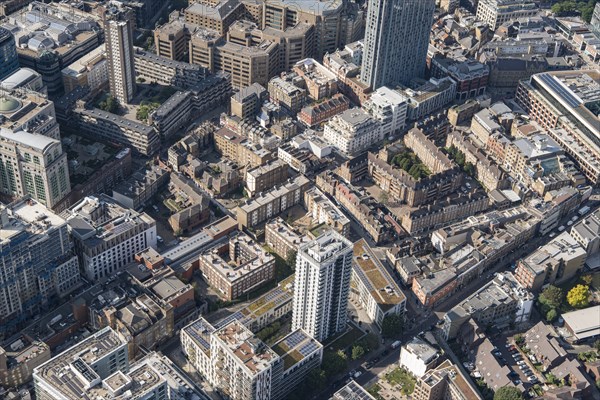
(32, 164)
(282, 238)
(323, 211)
(446, 381)
(145, 320)
(317, 114)
(487, 171)
(238, 149)
(556, 262)
(153, 68)
(137, 191)
(497, 12)
(502, 301)
(107, 236)
(242, 367)
(388, 107)
(353, 131)
(322, 285)
(272, 203)
(352, 390)
(38, 261)
(18, 360)
(587, 233)
(403, 187)
(176, 114)
(418, 356)
(471, 76)
(320, 82)
(265, 177)
(286, 94)
(101, 356)
(454, 207)
(111, 127)
(246, 267)
(247, 102)
(430, 97)
(373, 287)
(266, 309)
(100, 366)
(90, 70)
(372, 217)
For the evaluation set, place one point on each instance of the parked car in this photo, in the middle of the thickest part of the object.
(532, 379)
(523, 367)
(521, 362)
(517, 382)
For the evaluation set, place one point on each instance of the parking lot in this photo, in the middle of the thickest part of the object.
(521, 369)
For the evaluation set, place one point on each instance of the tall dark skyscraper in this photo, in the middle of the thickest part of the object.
(9, 61)
(119, 48)
(396, 40)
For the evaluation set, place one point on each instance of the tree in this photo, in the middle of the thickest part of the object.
(508, 393)
(392, 326)
(384, 197)
(291, 259)
(552, 297)
(334, 363)
(111, 105)
(587, 279)
(551, 315)
(316, 379)
(597, 345)
(519, 339)
(369, 342)
(357, 351)
(470, 169)
(579, 296)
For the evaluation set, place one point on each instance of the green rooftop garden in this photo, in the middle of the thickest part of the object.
(409, 162)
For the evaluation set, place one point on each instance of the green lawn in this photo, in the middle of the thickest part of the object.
(374, 391)
(346, 340)
(401, 377)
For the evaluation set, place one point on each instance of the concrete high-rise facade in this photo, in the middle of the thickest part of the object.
(37, 261)
(121, 65)
(396, 41)
(322, 285)
(32, 164)
(9, 61)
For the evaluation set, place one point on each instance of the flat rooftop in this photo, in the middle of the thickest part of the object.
(374, 276)
(275, 193)
(29, 216)
(232, 270)
(584, 323)
(59, 372)
(101, 219)
(51, 27)
(295, 347)
(326, 247)
(254, 355)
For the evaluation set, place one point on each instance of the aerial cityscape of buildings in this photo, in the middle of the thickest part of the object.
(310, 199)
